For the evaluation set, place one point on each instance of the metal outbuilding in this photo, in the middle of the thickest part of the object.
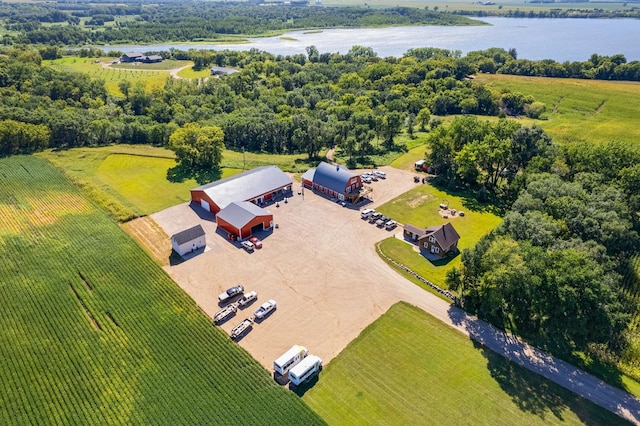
(257, 185)
(243, 218)
(189, 240)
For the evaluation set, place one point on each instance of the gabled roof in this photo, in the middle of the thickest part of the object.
(245, 186)
(188, 235)
(153, 58)
(415, 230)
(445, 235)
(335, 177)
(133, 55)
(241, 213)
(308, 175)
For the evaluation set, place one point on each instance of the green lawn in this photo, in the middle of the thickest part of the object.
(579, 110)
(408, 368)
(93, 332)
(111, 76)
(136, 180)
(419, 207)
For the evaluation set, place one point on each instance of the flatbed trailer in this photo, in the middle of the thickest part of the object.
(225, 313)
(241, 328)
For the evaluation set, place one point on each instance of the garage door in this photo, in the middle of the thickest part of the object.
(205, 205)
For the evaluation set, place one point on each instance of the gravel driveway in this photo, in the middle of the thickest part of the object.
(320, 265)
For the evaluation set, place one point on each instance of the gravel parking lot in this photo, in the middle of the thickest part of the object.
(320, 266)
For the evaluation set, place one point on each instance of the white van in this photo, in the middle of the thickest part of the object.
(289, 359)
(364, 214)
(306, 369)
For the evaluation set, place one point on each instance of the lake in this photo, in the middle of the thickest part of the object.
(558, 39)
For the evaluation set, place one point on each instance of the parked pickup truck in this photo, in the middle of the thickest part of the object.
(374, 216)
(231, 293)
(266, 308)
(247, 298)
(225, 313)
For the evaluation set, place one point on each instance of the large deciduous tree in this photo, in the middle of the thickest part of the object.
(198, 147)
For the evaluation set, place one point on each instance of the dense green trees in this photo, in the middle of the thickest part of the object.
(479, 153)
(198, 147)
(551, 270)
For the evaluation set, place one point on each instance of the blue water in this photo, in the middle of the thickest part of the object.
(558, 39)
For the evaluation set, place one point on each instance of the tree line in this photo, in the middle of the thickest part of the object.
(189, 21)
(277, 104)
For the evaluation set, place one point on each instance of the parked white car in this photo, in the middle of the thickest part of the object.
(248, 246)
(265, 309)
(380, 174)
(391, 224)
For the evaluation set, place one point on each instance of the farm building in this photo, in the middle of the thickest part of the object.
(139, 57)
(131, 57)
(257, 185)
(434, 240)
(152, 59)
(242, 219)
(188, 240)
(336, 181)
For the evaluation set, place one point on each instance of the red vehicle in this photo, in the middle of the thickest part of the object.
(256, 242)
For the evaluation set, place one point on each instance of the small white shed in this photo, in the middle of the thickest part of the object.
(189, 240)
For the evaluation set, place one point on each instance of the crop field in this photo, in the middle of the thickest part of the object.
(408, 368)
(579, 110)
(92, 331)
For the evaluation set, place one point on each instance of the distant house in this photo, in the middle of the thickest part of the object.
(434, 240)
(336, 181)
(222, 70)
(139, 57)
(189, 240)
(131, 57)
(152, 59)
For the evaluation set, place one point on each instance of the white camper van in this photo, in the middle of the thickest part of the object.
(290, 358)
(305, 369)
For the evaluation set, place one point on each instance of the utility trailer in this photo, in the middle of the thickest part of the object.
(225, 312)
(242, 328)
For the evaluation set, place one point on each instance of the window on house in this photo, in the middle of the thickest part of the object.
(432, 240)
(426, 245)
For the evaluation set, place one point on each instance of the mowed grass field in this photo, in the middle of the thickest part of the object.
(152, 76)
(579, 110)
(136, 180)
(419, 207)
(408, 368)
(93, 332)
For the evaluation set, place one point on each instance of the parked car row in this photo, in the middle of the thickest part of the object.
(368, 177)
(378, 218)
(240, 299)
(252, 244)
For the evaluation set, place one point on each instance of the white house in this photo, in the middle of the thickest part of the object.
(189, 240)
